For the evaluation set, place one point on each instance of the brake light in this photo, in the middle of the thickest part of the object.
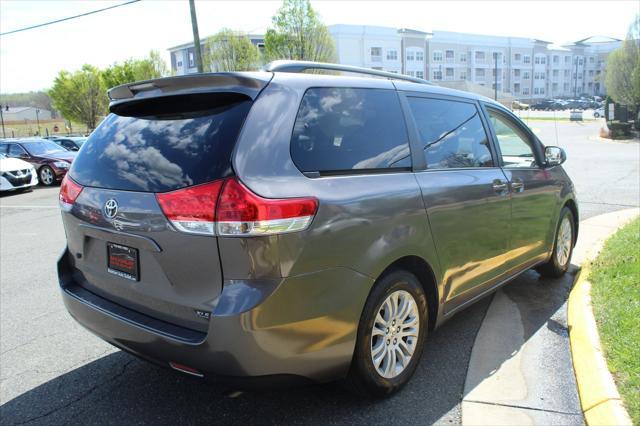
(192, 209)
(240, 212)
(228, 208)
(69, 192)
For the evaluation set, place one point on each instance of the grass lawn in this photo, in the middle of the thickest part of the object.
(30, 128)
(615, 279)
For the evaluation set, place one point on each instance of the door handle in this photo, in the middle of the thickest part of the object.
(500, 186)
(517, 185)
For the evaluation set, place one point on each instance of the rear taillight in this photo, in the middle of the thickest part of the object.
(192, 209)
(228, 208)
(240, 212)
(69, 191)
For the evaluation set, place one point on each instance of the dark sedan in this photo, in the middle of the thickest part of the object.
(50, 159)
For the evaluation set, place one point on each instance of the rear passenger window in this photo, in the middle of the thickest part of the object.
(451, 133)
(341, 129)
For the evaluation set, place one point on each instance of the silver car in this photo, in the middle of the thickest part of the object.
(279, 226)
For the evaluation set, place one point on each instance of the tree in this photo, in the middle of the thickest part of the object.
(622, 78)
(298, 33)
(80, 96)
(230, 51)
(135, 70)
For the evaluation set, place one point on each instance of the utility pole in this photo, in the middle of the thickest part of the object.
(196, 36)
(495, 84)
(575, 79)
(38, 120)
(4, 135)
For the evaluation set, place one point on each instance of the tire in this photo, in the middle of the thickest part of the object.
(558, 264)
(596, 115)
(363, 377)
(47, 176)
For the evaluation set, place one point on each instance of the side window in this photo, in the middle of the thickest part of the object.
(340, 129)
(451, 133)
(16, 151)
(515, 146)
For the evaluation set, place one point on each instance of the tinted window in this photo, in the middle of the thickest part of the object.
(341, 129)
(451, 133)
(43, 147)
(515, 146)
(164, 149)
(16, 150)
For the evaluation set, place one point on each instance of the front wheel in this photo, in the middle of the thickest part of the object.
(47, 177)
(390, 337)
(558, 264)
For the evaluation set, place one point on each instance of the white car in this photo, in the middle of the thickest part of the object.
(16, 174)
(598, 112)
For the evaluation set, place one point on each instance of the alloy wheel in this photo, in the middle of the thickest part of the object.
(564, 241)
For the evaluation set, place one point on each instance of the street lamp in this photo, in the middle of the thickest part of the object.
(4, 135)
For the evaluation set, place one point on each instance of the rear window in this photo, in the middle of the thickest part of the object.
(345, 129)
(163, 144)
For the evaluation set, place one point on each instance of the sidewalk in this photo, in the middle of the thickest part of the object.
(520, 370)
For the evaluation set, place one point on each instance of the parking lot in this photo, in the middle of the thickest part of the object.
(53, 371)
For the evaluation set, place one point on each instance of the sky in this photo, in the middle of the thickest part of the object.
(30, 60)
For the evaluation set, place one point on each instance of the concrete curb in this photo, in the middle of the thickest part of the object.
(599, 397)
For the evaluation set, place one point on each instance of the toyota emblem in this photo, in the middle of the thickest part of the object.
(111, 208)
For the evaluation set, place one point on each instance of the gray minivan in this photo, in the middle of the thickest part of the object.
(279, 225)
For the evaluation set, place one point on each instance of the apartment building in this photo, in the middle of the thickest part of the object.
(525, 68)
(183, 56)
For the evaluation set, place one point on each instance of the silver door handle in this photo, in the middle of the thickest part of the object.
(517, 186)
(499, 186)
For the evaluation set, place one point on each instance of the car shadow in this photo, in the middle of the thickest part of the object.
(119, 388)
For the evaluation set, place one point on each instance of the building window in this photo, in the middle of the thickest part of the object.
(543, 75)
(536, 91)
(566, 73)
(567, 59)
(591, 59)
(449, 72)
(525, 90)
(449, 55)
(411, 73)
(556, 59)
(525, 75)
(392, 55)
(419, 56)
(480, 72)
(192, 60)
(463, 75)
(543, 59)
(376, 54)
(516, 88)
(420, 74)
(480, 56)
(580, 61)
(536, 76)
(437, 75)
(463, 57)
(516, 73)
(565, 86)
(590, 73)
(556, 73)
(437, 56)
(526, 59)
(517, 57)
(537, 59)
(179, 64)
(542, 90)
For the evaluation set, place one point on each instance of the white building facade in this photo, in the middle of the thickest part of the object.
(525, 68)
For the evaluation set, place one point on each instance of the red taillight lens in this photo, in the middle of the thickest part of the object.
(192, 209)
(240, 212)
(69, 191)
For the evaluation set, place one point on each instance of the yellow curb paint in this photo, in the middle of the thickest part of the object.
(599, 398)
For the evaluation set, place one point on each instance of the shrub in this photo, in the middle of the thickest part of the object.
(619, 129)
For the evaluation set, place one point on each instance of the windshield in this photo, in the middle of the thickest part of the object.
(43, 148)
(80, 141)
(3, 155)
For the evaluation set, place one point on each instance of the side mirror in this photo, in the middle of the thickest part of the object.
(554, 156)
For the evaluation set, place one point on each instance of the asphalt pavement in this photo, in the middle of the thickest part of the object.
(52, 371)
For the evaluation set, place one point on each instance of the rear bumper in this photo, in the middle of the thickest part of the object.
(300, 328)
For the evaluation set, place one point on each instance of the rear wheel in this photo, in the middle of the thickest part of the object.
(558, 264)
(391, 336)
(47, 177)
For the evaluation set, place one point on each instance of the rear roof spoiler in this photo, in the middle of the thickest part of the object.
(247, 83)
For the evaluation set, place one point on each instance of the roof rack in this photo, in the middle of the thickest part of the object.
(300, 66)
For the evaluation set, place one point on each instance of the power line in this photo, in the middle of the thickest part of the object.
(70, 17)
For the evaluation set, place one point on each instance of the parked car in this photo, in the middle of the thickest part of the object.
(70, 143)
(598, 112)
(280, 225)
(16, 174)
(547, 105)
(519, 105)
(50, 160)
